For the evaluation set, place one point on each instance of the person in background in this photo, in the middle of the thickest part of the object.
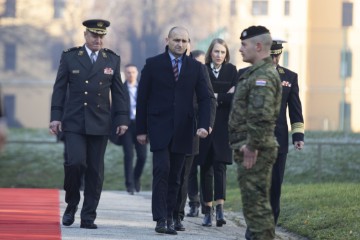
(179, 211)
(132, 174)
(195, 196)
(215, 152)
(80, 107)
(255, 108)
(290, 98)
(165, 118)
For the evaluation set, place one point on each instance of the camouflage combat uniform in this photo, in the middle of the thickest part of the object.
(256, 106)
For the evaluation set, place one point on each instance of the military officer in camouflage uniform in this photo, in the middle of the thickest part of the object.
(80, 107)
(255, 108)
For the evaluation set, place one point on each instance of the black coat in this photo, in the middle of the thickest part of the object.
(164, 108)
(219, 138)
(290, 98)
(86, 107)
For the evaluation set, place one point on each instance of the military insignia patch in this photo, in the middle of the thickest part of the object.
(104, 55)
(281, 71)
(260, 82)
(81, 53)
(285, 84)
(75, 71)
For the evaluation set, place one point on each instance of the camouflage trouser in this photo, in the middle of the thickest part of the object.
(255, 193)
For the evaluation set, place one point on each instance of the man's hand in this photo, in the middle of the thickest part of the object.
(202, 133)
(231, 90)
(299, 145)
(250, 157)
(120, 130)
(142, 139)
(55, 127)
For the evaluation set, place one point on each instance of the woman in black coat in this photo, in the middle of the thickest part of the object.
(215, 152)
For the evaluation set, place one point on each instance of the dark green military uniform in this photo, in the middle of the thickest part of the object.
(256, 106)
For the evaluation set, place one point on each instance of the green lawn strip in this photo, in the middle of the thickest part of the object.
(322, 211)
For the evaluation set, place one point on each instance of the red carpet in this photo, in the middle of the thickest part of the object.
(29, 214)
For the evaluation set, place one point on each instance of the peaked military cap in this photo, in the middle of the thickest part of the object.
(276, 47)
(253, 31)
(97, 26)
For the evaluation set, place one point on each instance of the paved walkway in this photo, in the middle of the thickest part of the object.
(128, 217)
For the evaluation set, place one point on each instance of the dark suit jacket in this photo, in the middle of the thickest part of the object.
(164, 108)
(219, 138)
(87, 108)
(290, 97)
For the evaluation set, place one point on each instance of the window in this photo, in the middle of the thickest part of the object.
(287, 7)
(59, 7)
(259, 7)
(9, 9)
(346, 64)
(10, 56)
(286, 59)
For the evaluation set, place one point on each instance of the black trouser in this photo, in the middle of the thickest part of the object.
(194, 192)
(167, 167)
(213, 180)
(182, 194)
(85, 155)
(129, 141)
(276, 182)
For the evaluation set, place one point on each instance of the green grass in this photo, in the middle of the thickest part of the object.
(321, 192)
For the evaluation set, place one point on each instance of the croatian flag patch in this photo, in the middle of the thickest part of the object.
(260, 82)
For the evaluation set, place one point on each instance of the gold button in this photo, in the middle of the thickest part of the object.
(86, 81)
(98, 105)
(85, 104)
(86, 93)
(100, 83)
(99, 94)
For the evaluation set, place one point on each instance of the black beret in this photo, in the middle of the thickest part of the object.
(276, 47)
(253, 31)
(97, 26)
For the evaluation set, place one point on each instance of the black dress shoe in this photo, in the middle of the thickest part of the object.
(178, 225)
(69, 215)
(170, 228)
(130, 191)
(248, 234)
(160, 226)
(194, 211)
(88, 225)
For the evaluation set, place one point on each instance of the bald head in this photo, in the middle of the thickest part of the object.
(178, 41)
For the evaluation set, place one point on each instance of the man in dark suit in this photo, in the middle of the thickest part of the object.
(128, 140)
(290, 98)
(165, 118)
(88, 73)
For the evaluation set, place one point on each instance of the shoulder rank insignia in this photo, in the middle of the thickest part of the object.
(281, 70)
(104, 55)
(71, 49)
(110, 51)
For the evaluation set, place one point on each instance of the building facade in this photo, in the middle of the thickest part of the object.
(321, 46)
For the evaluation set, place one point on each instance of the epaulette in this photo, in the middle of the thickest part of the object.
(281, 70)
(110, 51)
(71, 49)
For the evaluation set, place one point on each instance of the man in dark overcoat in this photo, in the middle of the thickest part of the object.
(80, 107)
(165, 118)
